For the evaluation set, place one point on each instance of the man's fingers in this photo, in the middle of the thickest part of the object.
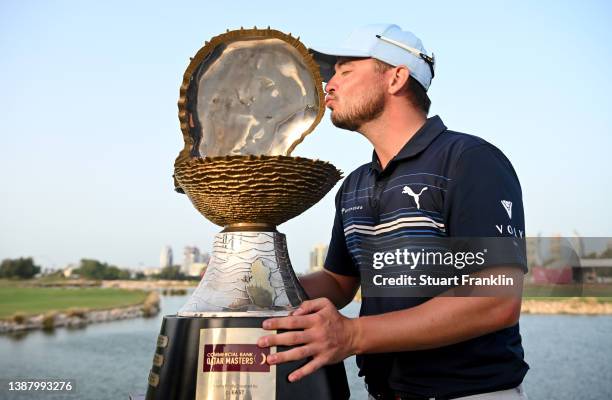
(307, 369)
(298, 311)
(291, 322)
(284, 339)
(297, 353)
(312, 306)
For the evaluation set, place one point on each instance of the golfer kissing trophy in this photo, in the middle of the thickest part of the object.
(248, 98)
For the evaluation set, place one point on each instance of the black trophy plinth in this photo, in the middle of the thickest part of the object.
(176, 365)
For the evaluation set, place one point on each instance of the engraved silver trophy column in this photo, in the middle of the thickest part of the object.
(248, 98)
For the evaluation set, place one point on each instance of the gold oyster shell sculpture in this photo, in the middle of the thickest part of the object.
(248, 98)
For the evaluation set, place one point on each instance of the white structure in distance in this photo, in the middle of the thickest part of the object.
(165, 258)
(317, 257)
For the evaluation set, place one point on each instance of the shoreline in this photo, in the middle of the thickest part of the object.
(562, 306)
(79, 318)
(149, 285)
(567, 306)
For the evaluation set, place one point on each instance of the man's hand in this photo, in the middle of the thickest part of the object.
(323, 333)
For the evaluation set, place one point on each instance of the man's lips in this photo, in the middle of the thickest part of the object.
(328, 100)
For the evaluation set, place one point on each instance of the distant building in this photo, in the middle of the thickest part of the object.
(197, 269)
(317, 257)
(556, 266)
(577, 243)
(68, 272)
(151, 271)
(165, 258)
(191, 256)
(593, 270)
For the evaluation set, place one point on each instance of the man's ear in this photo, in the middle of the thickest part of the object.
(399, 79)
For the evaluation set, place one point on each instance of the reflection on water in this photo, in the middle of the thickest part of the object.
(569, 356)
(106, 361)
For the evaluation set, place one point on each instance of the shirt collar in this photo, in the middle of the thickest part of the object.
(418, 142)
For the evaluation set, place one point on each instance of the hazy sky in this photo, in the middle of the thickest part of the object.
(89, 129)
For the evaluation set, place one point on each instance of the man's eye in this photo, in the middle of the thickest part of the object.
(344, 73)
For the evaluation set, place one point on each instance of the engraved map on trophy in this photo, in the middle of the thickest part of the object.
(248, 98)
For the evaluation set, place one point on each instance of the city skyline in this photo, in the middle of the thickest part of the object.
(89, 127)
(583, 246)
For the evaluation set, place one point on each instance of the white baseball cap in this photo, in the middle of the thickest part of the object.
(385, 42)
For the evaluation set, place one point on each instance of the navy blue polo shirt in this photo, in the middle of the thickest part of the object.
(441, 184)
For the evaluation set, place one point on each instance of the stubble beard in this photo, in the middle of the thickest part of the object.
(357, 115)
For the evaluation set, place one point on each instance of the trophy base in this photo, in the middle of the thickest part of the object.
(218, 358)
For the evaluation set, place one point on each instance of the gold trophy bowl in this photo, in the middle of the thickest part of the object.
(254, 189)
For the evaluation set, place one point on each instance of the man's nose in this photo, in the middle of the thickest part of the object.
(330, 87)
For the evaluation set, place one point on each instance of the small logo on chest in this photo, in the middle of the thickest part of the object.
(349, 209)
(407, 190)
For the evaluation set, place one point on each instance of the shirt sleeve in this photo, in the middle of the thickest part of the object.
(485, 207)
(339, 260)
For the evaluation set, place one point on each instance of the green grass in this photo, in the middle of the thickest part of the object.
(34, 300)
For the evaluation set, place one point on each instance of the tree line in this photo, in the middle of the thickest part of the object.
(25, 268)
(94, 269)
(20, 268)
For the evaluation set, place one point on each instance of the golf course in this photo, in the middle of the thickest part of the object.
(31, 300)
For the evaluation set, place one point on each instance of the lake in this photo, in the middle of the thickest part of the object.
(570, 357)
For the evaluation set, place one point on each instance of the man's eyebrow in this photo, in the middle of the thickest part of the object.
(342, 62)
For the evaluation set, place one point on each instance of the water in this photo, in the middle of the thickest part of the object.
(570, 357)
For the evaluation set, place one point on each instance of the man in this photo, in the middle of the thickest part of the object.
(424, 180)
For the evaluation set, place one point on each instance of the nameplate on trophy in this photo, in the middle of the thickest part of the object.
(232, 366)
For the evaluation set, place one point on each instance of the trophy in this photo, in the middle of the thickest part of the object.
(248, 98)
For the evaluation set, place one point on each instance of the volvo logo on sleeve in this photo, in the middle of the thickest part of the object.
(407, 190)
(508, 207)
(510, 230)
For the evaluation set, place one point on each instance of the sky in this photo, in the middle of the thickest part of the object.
(89, 128)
